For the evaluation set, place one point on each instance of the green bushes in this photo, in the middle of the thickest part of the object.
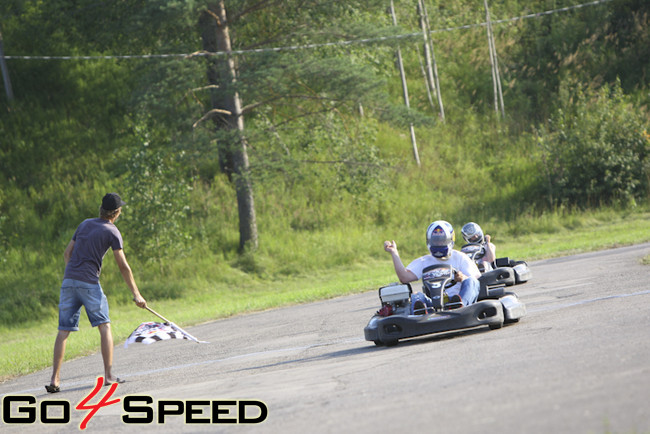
(595, 149)
(158, 195)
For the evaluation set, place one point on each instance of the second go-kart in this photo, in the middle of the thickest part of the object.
(504, 270)
(400, 318)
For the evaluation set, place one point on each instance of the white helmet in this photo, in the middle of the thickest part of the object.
(472, 233)
(440, 238)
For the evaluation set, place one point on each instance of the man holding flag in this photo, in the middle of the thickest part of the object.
(80, 287)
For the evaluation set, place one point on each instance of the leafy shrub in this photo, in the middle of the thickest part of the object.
(595, 149)
(157, 200)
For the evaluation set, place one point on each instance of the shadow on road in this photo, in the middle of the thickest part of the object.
(371, 348)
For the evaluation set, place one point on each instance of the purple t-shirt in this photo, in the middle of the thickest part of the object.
(92, 240)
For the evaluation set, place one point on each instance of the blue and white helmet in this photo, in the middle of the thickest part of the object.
(440, 238)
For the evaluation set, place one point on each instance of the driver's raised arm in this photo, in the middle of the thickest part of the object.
(403, 274)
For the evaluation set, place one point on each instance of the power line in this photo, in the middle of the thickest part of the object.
(309, 46)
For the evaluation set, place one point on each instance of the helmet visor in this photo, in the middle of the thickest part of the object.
(440, 251)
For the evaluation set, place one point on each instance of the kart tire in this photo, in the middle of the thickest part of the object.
(496, 326)
(379, 343)
(391, 343)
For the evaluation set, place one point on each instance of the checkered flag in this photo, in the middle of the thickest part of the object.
(150, 332)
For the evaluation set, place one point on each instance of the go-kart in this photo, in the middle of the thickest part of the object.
(400, 318)
(510, 272)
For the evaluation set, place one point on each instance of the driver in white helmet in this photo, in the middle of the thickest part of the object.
(440, 241)
(473, 234)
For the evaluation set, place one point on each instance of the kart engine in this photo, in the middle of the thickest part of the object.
(397, 295)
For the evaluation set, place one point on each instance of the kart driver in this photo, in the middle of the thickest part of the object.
(440, 242)
(473, 234)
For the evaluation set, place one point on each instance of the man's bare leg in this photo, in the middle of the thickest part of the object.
(107, 352)
(57, 360)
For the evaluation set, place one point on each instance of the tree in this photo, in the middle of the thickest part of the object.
(285, 90)
(302, 104)
(227, 113)
(596, 148)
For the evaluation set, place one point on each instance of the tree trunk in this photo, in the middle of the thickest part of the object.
(233, 157)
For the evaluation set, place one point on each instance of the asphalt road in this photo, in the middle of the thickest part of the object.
(579, 362)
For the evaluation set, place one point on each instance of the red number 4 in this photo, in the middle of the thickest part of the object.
(104, 402)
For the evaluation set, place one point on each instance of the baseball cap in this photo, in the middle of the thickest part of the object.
(112, 201)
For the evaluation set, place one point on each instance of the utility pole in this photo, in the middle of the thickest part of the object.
(405, 90)
(430, 57)
(496, 77)
(5, 72)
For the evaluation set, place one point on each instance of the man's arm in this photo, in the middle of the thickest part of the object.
(490, 250)
(468, 268)
(403, 274)
(67, 254)
(127, 274)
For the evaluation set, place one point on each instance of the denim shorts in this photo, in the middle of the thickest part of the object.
(74, 294)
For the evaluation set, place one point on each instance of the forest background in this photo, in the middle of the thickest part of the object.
(265, 149)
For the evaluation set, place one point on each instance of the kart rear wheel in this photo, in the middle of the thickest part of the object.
(391, 343)
(379, 343)
(496, 326)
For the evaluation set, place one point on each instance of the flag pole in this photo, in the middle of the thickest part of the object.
(157, 314)
(172, 324)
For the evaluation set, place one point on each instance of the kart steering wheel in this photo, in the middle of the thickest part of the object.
(452, 274)
(453, 280)
(475, 251)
